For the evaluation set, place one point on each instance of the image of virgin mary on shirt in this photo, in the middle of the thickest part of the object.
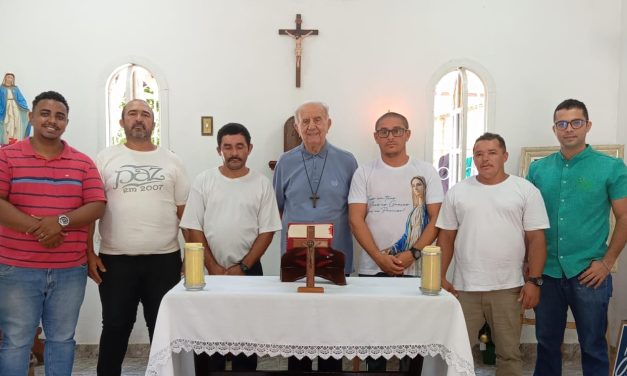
(416, 220)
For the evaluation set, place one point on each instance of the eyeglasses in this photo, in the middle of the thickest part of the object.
(396, 132)
(576, 124)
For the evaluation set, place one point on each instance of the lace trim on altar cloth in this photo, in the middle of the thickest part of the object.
(362, 352)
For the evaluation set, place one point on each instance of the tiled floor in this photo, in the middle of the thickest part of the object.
(571, 368)
(86, 366)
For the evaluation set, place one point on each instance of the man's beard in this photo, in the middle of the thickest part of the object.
(138, 133)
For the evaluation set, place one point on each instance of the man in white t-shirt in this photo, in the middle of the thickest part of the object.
(393, 204)
(491, 223)
(233, 211)
(139, 258)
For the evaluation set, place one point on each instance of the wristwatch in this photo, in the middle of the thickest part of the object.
(64, 220)
(415, 252)
(538, 281)
(243, 267)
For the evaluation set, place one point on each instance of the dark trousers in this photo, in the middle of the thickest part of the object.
(204, 363)
(407, 364)
(128, 281)
(413, 365)
(331, 364)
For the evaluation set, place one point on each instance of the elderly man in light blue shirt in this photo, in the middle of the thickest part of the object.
(311, 183)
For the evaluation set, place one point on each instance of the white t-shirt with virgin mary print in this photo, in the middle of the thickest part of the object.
(396, 199)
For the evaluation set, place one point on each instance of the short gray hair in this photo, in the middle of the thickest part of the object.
(317, 103)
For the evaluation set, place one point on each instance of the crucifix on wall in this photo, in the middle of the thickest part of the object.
(298, 34)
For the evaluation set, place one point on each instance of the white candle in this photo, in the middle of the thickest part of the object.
(430, 283)
(194, 266)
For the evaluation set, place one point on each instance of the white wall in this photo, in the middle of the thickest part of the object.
(225, 58)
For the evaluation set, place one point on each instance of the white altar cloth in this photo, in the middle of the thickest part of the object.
(261, 315)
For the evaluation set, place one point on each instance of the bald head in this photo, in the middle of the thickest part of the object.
(135, 103)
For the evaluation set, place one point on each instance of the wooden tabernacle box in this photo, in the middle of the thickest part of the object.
(309, 253)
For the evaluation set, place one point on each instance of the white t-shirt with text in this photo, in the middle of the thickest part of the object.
(143, 191)
(391, 214)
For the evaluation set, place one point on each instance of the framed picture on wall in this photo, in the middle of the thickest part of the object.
(206, 125)
(530, 154)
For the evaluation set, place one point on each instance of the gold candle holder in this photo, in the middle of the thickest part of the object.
(430, 280)
(194, 266)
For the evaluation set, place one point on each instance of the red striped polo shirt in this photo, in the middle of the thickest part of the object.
(42, 187)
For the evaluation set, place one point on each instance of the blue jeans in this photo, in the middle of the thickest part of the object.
(28, 296)
(589, 307)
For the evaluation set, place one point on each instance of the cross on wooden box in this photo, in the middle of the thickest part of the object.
(309, 254)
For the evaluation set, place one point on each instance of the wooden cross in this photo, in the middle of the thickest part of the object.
(298, 34)
(310, 268)
(314, 197)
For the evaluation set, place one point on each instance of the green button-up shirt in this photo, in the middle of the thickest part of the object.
(577, 193)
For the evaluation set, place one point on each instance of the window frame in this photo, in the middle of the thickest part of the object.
(490, 99)
(106, 78)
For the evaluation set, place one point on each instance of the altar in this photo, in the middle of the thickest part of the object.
(260, 315)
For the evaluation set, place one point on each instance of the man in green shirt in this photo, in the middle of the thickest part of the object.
(579, 186)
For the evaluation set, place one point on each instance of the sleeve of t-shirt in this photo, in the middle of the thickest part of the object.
(99, 160)
(447, 218)
(617, 185)
(93, 188)
(534, 215)
(435, 193)
(5, 177)
(268, 220)
(531, 172)
(353, 165)
(194, 213)
(277, 183)
(181, 186)
(357, 193)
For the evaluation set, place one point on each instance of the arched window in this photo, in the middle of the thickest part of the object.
(459, 109)
(128, 82)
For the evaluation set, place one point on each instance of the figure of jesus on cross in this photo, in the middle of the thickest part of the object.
(298, 34)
